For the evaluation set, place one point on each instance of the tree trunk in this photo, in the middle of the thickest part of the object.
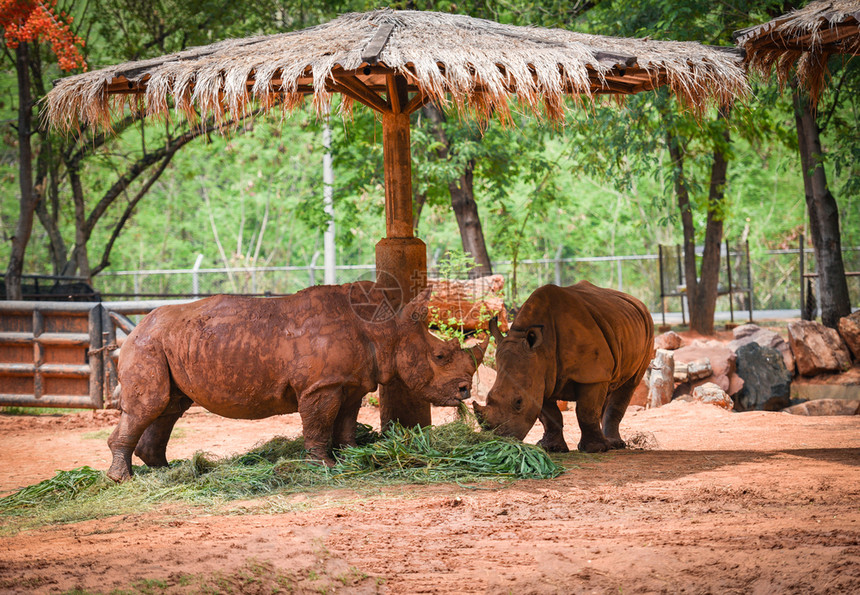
(691, 276)
(419, 199)
(50, 219)
(702, 315)
(462, 198)
(823, 216)
(469, 222)
(28, 198)
(702, 289)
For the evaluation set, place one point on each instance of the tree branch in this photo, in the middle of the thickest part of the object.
(823, 125)
(129, 209)
(138, 168)
(98, 140)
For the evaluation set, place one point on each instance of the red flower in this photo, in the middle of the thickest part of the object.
(35, 20)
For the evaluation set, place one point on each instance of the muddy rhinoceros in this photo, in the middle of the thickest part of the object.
(580, 343)
(249, 358)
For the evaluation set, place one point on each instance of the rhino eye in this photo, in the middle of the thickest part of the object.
(439, 357)
(518, 403)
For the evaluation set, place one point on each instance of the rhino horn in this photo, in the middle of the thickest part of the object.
(494, 330)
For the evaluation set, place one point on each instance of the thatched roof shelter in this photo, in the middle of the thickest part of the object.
(474, 62)
(804, 39)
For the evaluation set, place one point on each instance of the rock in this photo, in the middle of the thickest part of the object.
(661, 383)
(749, 333)
(849, 330)
(828, 386)
(817, 348)
(722, 361)
(471, 303)
(825, 407)
(693, 371)
(767, 384)
(710, 394)
(699, 369)
(670, 341)
(745, 330)
(482, 382)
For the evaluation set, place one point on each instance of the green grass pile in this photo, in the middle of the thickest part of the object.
(453, 452)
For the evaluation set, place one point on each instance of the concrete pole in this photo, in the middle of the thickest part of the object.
(195, 276)
(328, 206)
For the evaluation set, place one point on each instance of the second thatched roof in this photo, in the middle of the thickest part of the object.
(802, 40)
(474, 62)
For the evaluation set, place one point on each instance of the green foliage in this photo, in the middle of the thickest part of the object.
(601, 185)
(38, 410)
(451, 452)
(65, 485)
(455, 264)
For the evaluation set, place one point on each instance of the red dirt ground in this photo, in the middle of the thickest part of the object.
(724, 503)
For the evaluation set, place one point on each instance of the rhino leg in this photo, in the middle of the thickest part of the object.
(145, 396)
(319, 409)
(553, 427)
(589, 406)
(347, 419)
(614, 410)
(152, 447)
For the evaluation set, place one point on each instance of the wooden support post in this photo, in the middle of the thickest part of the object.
(401, 258)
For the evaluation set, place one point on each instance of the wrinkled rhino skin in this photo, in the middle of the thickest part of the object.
(580, 343)
(250, 358)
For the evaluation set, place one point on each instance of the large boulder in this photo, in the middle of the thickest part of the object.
(669, 340)
(753, 333)
(468, 304)
(849, 330)
(722, 360)
(817, 348)
(826, 407)
(767, 384)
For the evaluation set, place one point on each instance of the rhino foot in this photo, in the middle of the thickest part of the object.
(320, 455)
(617, 444)
(594, 446)
(119, 471)
(553, 445)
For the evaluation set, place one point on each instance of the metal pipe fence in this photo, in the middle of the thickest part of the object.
(774, 276)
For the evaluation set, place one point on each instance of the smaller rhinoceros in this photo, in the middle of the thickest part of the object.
(250, 358)
(580, 343)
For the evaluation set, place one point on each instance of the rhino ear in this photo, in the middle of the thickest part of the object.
(417, 309)
(534, 337)
(479, 350)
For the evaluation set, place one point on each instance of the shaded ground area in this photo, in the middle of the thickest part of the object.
(727, 502)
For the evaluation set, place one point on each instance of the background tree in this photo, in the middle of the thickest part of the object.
(683, 132)
(104, 176)
(25, 25)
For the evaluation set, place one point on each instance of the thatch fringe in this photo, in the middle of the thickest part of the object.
(801, 41)
(474, 63)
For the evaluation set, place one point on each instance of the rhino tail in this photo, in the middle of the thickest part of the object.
(116, 400)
